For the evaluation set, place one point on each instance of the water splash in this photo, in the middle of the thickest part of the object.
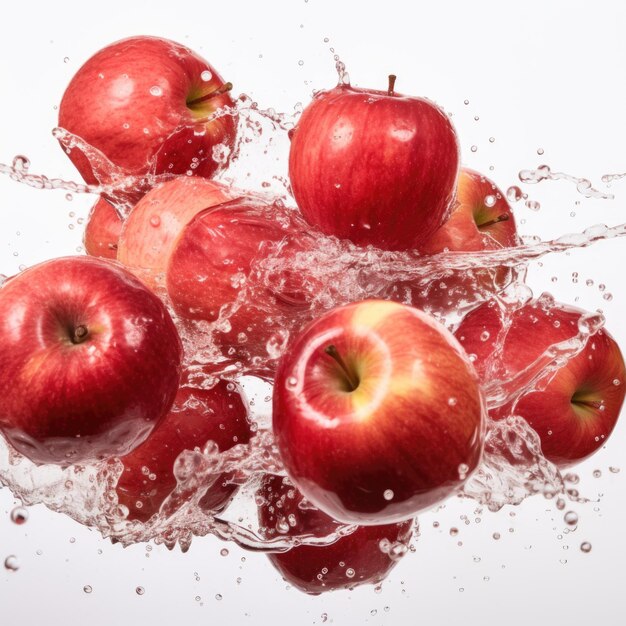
(583, 185)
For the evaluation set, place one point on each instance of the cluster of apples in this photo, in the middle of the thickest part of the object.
(378, 410)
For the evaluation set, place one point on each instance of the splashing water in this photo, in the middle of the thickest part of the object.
(328, 272)
(583, 185)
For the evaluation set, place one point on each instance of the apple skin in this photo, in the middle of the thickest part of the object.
(566, 412)
(103, 229)
(374, 168)
(89, 361)
(219, 414)
(472, 227)
(218, 245)
(301, 565)
(130, 102)
(415, 418)
(153, 226)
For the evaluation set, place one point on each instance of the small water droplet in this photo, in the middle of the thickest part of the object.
(350, 573)
(140, 591)
(474, 148)
(87, 589)
(19, 515)
(388, 495)
(11, 563)
(206, 76)
(585, 547)
(571, 518)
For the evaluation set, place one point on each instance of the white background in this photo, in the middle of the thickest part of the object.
(538, 74)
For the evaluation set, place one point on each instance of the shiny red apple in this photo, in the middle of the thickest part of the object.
(219, 414)
(148, 105)
(365, 556)
(576, 407)
(89, 361)
(154, 224)
(209, 270)
(374, 167)
(103, 229)
(377, 412)
(482, 220)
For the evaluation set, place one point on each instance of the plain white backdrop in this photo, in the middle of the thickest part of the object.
(539, 76)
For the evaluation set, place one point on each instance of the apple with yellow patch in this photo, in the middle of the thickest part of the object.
(377, 413)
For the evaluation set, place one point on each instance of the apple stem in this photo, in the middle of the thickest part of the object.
(351, 378)
(392, 84)
(226, 87)
(80, 333)
(496, 220)
(592, 404)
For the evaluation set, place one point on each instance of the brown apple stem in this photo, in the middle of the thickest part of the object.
(80, 333)
(392, 84)
(226, 87)
(351, 378)
(496, 220)
(591, 404)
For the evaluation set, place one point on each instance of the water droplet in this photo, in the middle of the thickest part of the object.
(11, 563)
(155, 221)
(454, 532)
(156, 91)
(614, 470)
(388, 495)
(514, 194)
(484, 335)
(140, 591)
(452, 401)
(19, 515)
(350, 573)
(206, 76)
(496, 536)
(533, 205)
(539, 151)
(571, 518)
(490, 200)
(585, 547)
(465, 102)
(87, 589)
(474, 148)
(224, 552)
(597, 473)
(218, 596)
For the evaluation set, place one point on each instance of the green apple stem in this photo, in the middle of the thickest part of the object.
(496, 220)
(352, 379)
(392, 84)
(226, 87)
(79, 334)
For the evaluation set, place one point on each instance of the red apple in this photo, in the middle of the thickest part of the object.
(482, 220)
(575, 409)
(219, 414)
(147, 104)
(102, 232)
(374, 167)
(209, 268)
(365, 556)
(377, 412)
(89, 361)
(153, 226)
